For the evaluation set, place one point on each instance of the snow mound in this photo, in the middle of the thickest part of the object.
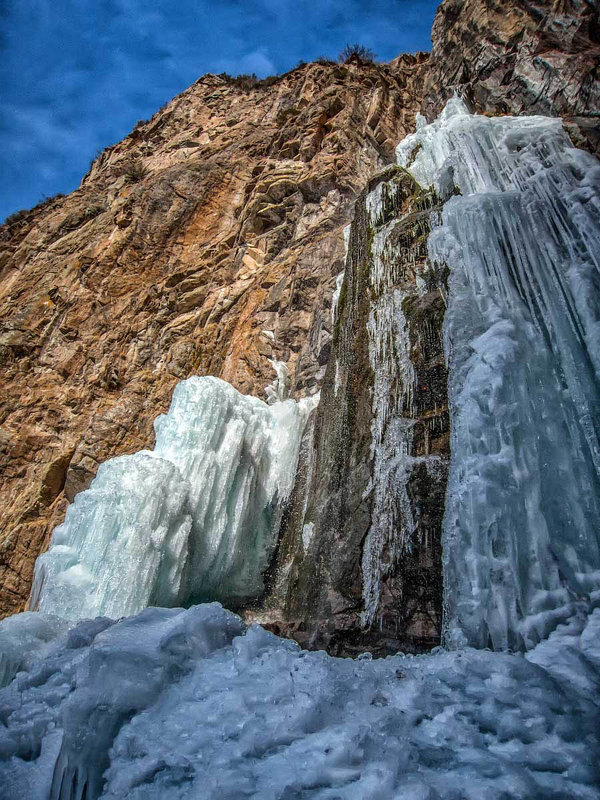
(176, 704)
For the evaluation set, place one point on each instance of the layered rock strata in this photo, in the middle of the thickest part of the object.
(528, 57)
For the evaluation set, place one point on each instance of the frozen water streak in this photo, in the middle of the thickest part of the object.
(392, 529)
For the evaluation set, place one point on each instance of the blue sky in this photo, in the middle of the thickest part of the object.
(76, 75)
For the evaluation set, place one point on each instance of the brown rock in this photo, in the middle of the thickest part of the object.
(217, 219)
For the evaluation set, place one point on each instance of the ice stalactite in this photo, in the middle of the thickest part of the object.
(194, 519)
(279, 389)
(522, 330)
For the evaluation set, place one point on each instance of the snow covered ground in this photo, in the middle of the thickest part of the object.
(181, 704)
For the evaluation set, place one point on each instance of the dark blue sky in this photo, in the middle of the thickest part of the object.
(76, 75)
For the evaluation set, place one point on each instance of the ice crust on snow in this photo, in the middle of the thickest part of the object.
(195, 518)
(522, 241)
(176, 704)
(24, 638)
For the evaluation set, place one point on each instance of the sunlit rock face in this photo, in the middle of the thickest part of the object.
(207, 242)
(195, 518)
(522, 243)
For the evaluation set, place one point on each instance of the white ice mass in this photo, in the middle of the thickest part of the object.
(193, 519)
(522, 241)
(173, 704)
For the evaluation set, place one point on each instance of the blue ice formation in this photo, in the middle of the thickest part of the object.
(196, 518)
(521, 238)
(178, 704)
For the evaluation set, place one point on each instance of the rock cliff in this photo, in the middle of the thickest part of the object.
(527, 57)
(360, 557)
(208, 242)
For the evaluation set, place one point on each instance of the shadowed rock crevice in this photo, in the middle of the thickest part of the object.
(352, 460)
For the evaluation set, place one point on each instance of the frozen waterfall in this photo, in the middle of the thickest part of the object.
(174, 704)
(191, 520)
(522, 330)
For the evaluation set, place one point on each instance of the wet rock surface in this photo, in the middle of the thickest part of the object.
(364, 463)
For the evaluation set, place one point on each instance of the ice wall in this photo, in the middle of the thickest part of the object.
(522, 241)
(194, 519)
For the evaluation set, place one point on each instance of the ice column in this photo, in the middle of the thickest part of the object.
(522, 241)
(279, 389)
(194, 519)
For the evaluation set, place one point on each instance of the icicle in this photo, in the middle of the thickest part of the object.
(522, 336)
(279, 390)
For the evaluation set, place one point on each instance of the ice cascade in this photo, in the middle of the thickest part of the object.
(521, 238)
(193, 519)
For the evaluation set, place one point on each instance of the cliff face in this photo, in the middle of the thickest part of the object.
(360, 557)
(528, 57)
(208, 241)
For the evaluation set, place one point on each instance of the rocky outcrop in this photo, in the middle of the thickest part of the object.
(206, 242)
(527, 57)
(359, 563)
